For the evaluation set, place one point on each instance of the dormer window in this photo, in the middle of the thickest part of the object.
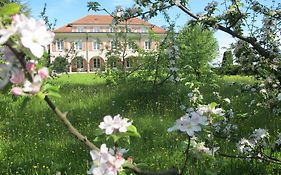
(80, 29)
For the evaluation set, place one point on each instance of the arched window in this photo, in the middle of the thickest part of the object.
(96, 62)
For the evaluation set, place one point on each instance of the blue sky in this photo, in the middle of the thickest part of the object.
(67, 11)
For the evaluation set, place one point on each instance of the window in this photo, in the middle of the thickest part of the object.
(96, 29)
(147, 45)
(111, 29)
(59, 45)
(96, 44)
(78, 45)
(144, 30)
(129, 29)
(96, 63)
(80, 29)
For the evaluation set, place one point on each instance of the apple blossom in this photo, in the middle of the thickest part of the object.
(279, 97)
(185, 124)
(33, 87)
(43, 72)
(116, 124)
(245, 145)
(197, 118)
(259, 134)
(5, 35)
(17, 91)
(17, 76)
(107, 125)
(33, 34)
(30, 66)
(105, 163)
(278, 141)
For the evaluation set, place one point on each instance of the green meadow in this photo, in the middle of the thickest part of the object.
(34, 141)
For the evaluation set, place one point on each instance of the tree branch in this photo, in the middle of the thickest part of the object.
(266, 158)
(63, 116)
(262, 51)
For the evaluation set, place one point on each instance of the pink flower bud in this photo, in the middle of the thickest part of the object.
(30, 66)
(43, 72)
(16, 91)
(17, 77)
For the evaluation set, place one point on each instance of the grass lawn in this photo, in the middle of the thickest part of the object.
(34, 141)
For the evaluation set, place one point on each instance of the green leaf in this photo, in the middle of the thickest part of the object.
(54, 94)
(115, 137)
(96, 139)
(213, 104)
(10, 9)
(98, 132)
(93, 6)
(122, 173)
(49, 87)
(40, 95)
(132, 131)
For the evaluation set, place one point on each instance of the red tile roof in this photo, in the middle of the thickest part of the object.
(106, 20)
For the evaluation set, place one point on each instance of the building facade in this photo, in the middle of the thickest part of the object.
(89, 42)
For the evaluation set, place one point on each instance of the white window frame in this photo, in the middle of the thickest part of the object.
(78, 45)
(96, 44)
(147, 45)
(60, 45)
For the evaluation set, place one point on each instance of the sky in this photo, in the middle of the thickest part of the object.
(67, 11)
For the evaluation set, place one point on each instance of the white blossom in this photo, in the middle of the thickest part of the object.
(279, 97)
(33, 34)
(259, 134)
(105, 163)
(245, 146)
(189, 123)
(116, 124)
(278, 140)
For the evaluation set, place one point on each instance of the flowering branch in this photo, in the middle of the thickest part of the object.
(20, 56)
(265, 158)
(262, 51)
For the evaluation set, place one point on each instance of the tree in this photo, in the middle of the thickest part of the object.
(197, 47)
(60, 64)
(227, 59)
